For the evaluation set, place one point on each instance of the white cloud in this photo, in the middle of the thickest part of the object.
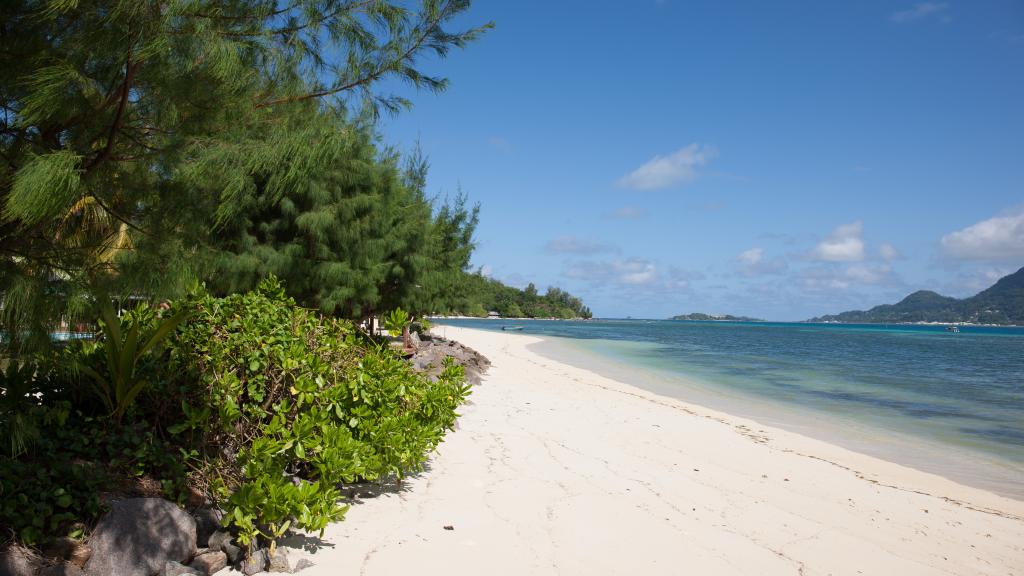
(922, 10)
(681, 278)
(628, 213)
(888, 252)
(845, 244)
(674, 168)
(972, 282)
(751, 257)
(753, 263)
(998, 238)
(573, 245)
(630, 271)
(837, 278)
(868, 274)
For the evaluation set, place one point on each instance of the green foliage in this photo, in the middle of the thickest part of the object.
(397, 321)
(54, 487)
(18, 387)
(299, 404)
(263, 406)
(356, 237)
(479, 294)
(43, 187)
(125, 342)
(132, 129)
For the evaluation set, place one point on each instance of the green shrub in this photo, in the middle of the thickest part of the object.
(262, 406)
(285, 405)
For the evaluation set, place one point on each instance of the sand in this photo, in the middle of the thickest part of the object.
(557, 470)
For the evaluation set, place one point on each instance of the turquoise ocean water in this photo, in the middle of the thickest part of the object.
(947, 403)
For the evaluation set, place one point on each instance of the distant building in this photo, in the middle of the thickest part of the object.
(493, 314)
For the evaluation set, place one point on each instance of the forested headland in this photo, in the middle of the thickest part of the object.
(478, 295)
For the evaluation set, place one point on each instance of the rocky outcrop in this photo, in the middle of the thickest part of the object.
(432, 350)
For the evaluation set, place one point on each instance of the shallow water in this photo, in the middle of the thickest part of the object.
(948, 403)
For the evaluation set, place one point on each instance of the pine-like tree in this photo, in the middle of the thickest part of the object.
(131, 128)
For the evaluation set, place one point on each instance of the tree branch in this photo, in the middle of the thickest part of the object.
(376, 74)
(129, 74)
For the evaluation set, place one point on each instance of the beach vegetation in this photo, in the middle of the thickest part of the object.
(252, 403)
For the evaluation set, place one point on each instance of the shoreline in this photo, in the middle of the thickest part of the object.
(554, 469)
(955, 463)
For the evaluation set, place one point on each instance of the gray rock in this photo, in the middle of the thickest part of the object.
(302, 564)
(255, 562)
(234, 552)
(173, 568)
(139, 536)
(210, 562)
(221, 541)
(429, 358)
(17, 561)
(217, 540)
(279, 562)
(63, 569)
(207, 522)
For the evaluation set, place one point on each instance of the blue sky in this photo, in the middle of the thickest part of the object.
(775, 159)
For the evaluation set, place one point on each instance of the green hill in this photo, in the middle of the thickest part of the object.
(1002, 303)
(698, 316)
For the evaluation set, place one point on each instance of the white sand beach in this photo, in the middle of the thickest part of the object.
(558, 470)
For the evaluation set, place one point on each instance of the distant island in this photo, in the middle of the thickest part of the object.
(715, 318)
(1001, 304)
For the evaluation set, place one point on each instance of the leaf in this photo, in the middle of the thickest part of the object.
(111, 323)
(43, 188)
(166, 327)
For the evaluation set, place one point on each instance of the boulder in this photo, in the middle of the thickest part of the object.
(279, 562)
(173, 568)
(139, 536)
(302, 564)
(255, 562)
(217, 539)
(207, 522)
(17, 561)
(210, 562)
(233, 552)
(221, 541)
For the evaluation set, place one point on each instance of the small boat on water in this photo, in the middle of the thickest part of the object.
(952, 328)
(512, 328)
